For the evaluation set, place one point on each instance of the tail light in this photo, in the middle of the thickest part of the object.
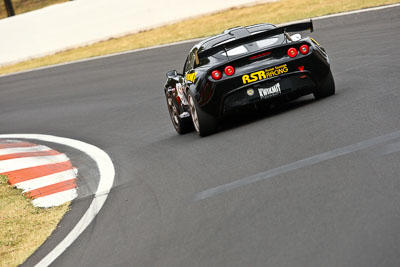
(304, 49)
(292, 52)
(229, 70)
(178, 100)
(216, 74)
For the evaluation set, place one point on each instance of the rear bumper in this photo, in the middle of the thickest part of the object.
(217, 98)
(283, 88)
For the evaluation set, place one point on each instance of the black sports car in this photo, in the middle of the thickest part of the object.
(245, 66)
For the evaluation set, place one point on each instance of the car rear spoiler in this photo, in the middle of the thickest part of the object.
(297, 27)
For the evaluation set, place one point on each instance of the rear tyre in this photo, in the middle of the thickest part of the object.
(327, 87)
(180, 125)
(204, 124)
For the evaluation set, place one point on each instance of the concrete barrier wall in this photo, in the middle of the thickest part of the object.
(81, 22)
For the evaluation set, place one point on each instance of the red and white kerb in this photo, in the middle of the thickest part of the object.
(45, 175)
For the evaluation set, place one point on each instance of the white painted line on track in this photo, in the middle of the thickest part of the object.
(392, 148)
(189, 41)
(47, 180)
(101, 57)
(356, 11)
(28, 162)
(211, 192)
(7, 151)
(107, 174)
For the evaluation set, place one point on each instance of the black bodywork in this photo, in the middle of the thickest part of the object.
(256, 64)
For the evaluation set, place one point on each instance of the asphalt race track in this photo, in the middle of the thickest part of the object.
(312, 183)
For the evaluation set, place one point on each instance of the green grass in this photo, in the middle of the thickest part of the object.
(23, 228)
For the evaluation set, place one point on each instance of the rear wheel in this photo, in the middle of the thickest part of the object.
(204, 124)
(327, 88)
(180, 125)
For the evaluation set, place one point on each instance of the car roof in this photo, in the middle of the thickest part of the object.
(232, 34)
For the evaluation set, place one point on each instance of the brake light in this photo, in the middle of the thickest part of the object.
(292, 52)
(229, 70)
(260, 55)
(216, 74)
(304, 49)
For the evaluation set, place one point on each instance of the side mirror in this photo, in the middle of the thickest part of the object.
(295, 37)
(172, 74)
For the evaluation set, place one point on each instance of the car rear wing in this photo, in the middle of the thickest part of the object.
(297, 27)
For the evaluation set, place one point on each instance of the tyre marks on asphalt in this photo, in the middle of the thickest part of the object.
(45, 175)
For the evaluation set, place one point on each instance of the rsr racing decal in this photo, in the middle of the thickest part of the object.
(264, 74)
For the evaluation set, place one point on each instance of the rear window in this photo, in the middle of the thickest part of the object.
(267, 42)
(242, 49)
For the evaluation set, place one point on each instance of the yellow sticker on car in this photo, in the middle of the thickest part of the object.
(314, 41)
(264, 74)
(191, 77)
